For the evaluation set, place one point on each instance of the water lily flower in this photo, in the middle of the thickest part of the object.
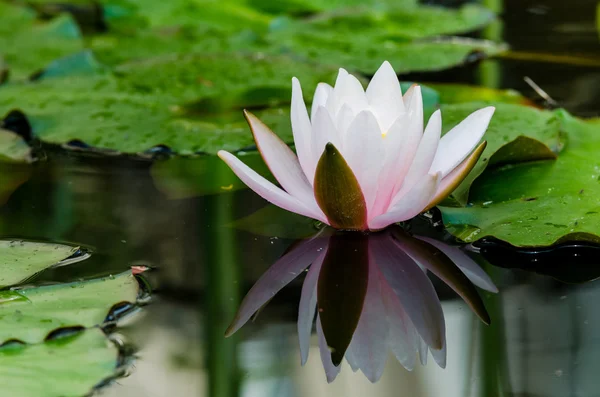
(364, 160)
(370, 295)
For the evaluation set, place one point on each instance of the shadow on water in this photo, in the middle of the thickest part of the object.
(181, 220)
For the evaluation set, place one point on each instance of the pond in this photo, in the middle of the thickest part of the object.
(200, 240)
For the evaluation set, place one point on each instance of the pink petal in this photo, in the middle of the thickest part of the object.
(331, 371)
(343, 120)
(266, 189)
(308, 306)
(301, 129)
(370, 341)
(320, 99)
(411, 204)
(424, 156)
(385, 96)
(412, 287)
(363, 152)
(460, 141)
(282, 272)
(467, 265)
(282, 162)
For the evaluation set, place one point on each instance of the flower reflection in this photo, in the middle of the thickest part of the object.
(371, 295)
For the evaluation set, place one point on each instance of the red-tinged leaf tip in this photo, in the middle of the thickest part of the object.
(338, 193)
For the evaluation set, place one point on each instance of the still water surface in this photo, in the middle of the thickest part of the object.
(544, 339)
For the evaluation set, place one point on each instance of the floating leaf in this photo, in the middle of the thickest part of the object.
(302, 7)
(459, 93)
(30, 314)
(27, 47)
(515, 134)
(70, 366)
(20, 260)
(538, 203)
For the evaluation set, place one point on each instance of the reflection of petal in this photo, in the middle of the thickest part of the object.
(308, 306)
(467, 265)
(331, 371)
(413, 289)
(287, 268)
(434, 260)
(402, 333)
(369, 347)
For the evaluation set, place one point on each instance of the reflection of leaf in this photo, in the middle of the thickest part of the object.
(27, 47)
(509, 123)
(69, 366)
(181, 177)
(11, 177)
(538, 203)
(273, 221)
(29, 314)
(567, 262)
(21, 259)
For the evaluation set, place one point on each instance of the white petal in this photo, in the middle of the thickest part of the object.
(344, 118)
(460, 141)
(320, 99)
(266, 189)
(412, 287)
(424, 156)
(370, 341)
(282, 272)
(363, 152)
(308, 306)
(385, 96)
(323, 132)
(411, 204)
(282, 162)
(347, 90)
(467, 265)
(408, 96)
(301, 127)
(331, 371)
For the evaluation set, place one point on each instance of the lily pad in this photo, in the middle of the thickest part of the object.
(70, 366)
(303, 7)
(20, 260)
(27, 46)
(515, 134)
(30, 314)
(461, 93)
(407, 38)
(538, 203)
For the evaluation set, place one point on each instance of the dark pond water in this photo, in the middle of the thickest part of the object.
(544, 339)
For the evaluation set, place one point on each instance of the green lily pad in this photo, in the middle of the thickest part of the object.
(461, 93)
(70, 366)
(302, 7)
(538, 203)
(407, 38)
(29, 314)
(515, 134)
(20, 260)
(27, 46)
